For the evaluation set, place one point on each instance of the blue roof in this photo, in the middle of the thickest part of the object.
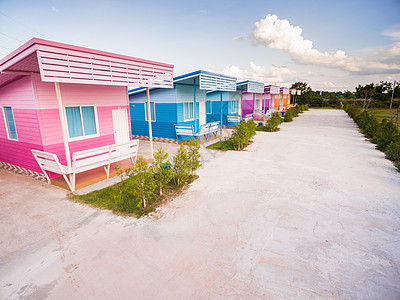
(180, 78)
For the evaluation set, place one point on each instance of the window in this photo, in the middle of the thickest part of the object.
(188, 111)
(10, 123)
(258, 104)
(152, 111)
(234, 106)
(81, 120)
(208, 107)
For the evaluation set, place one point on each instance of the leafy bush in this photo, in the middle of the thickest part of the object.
(386, 133)
(194, 156)
(393, 151)
(367, 123)
(288, 117)
(147, 185)
(242, 134)
(181, 168)
(161, 168)
(273, 123)
(140, 184)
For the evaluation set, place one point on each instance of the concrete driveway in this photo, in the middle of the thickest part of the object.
(312, 211)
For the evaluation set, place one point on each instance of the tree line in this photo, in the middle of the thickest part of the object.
(377, 95)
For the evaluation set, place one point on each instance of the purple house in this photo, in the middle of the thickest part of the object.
(272, 97)
(253, 100)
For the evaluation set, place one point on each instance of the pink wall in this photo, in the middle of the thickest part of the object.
(20, 96)
(38, 123)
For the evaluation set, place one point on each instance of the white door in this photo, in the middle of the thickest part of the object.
(202, 112)
(121, 126)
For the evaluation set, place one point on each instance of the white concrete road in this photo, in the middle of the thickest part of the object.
(310, 212)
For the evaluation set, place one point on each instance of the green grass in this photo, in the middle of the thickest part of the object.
(110, 198)
(221, 145)
(380, 114)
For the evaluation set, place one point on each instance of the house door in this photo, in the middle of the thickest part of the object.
(202, 112)
(121, 126)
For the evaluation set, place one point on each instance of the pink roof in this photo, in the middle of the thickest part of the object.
(57, 62)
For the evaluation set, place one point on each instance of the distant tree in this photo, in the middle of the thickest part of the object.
(302, 86)
(348, 95)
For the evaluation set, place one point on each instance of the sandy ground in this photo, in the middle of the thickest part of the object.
(312, 211)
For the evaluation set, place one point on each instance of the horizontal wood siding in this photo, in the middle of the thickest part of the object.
(166, 118)
(79, 94)
(20, 96)
(157, 96)
(52, 134)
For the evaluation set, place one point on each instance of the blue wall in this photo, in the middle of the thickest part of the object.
(165, 111)
(215, 98)
(168, 110)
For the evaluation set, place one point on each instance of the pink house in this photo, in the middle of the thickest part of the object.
(61, 99)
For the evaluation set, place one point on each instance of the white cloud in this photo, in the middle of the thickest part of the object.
(273, 74)
(55, 9)
(393, 33)
(274, 33)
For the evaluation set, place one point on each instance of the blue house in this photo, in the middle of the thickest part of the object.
(224, 106)
(185, 104)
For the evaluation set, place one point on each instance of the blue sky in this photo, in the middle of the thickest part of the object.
(331, 45)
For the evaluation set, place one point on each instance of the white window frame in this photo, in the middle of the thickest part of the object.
(258, 107)
(190, 119)
(145, 111)
(6, 124)
(234, 104)
(83, 137)
(209, 113)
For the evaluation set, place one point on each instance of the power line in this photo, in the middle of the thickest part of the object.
(9, 36)
(23, 25)
(5, 47)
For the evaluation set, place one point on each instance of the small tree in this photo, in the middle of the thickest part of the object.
(161, 169)
(141, 183)
(194, 156)
(181, 166)
(288, 117)
(242, 134)
(274, 122)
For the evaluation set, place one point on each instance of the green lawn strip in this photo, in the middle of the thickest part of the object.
(110, 198)
(221, 145)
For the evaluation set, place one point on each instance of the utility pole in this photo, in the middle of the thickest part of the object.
(391, 100)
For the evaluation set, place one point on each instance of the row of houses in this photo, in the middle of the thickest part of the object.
(203, 97)
(60, 100)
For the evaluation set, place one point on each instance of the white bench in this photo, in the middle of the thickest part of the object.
(233, 119)
(204, 130)
(248, 117)
(86, 160)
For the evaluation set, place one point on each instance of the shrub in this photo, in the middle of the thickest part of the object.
(296, 111)
(386, 133)
(367, 123)
(161, 169)
(140, 184)
(181, 166)
(393, 151)
(288, 115)
(242, 134)
(273, 123)
(194, 156)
